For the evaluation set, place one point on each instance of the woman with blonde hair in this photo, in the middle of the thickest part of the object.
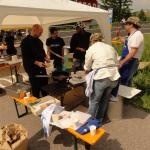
(101, 64)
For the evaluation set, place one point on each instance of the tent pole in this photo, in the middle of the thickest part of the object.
(45, 35)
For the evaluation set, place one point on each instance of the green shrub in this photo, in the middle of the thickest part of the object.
(142, 81)
(142, 102)
(146, 53)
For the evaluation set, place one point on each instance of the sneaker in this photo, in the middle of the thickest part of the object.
(113, 99)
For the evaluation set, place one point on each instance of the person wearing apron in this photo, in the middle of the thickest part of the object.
(123, 71)
(129, 68)
(131, 54)
(101, 65)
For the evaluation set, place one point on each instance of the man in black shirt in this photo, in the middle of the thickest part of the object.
(79, 44)
(11, 50)
(34, 58)
(55, 46)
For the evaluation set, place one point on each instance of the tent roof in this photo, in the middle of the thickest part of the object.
(52, 12)
(65, 5)
(47, 11)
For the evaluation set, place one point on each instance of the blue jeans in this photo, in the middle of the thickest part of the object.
(99, 99)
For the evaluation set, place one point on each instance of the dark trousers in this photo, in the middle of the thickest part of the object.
(126, 72)
(11, 51)
(58, 64)
(37, 84)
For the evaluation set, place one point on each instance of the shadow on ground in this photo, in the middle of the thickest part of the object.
(107, 144)
(37, 142)
(61, 138)
(134, 112)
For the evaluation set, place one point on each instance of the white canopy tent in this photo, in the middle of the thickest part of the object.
(51, 12)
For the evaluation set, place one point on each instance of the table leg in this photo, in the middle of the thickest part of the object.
(87, 146)
(62, 99)
(16, 74)
(16, 108)
(11, 71)
(75, 143)
(26, 110)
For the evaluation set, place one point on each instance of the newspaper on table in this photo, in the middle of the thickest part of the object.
(41, 104)
(72, 119)
(55, 115)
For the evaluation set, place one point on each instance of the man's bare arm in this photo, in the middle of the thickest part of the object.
(48, 52)
(80, 49)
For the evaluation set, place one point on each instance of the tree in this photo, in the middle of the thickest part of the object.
(121, 8)
(142, 15)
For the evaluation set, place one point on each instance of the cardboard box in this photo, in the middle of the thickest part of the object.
(13, 137)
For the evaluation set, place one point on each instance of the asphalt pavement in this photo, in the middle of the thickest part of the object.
(132, 132)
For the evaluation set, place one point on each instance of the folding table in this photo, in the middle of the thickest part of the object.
(25, 103)
(88, 139)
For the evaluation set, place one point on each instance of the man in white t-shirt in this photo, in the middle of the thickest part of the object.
(131, 53)
(133, 50)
